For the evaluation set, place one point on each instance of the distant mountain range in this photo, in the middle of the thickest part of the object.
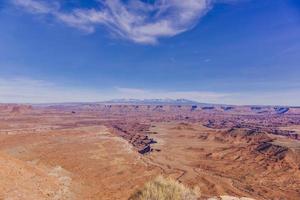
(153, 101)
(167, 101)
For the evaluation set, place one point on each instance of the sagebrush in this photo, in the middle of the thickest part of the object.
(165, 189)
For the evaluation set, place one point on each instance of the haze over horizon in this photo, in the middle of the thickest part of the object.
(211, 51)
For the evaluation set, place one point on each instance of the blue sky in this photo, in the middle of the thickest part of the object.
(218, 51)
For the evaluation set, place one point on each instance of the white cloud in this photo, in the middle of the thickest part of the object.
(281, 97)
(201, 96)
(26, 90)
(134, 20)
(36, 6)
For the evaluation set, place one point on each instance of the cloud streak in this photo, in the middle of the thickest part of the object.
(26, 90)
(280, 97)
(134, 20)
(201, 96)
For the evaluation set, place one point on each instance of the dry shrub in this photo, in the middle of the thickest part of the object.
(165, 189)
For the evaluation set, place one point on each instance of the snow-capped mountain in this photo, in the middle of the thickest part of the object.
(153, 101)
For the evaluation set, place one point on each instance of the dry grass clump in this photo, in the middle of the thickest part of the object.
(165, 189)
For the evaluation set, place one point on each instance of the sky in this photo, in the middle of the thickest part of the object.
(214, 51)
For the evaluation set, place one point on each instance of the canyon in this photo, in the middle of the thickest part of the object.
(109, 150)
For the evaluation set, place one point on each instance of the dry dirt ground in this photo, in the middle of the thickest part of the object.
(60, 154)
(201, 156)
(83, 163)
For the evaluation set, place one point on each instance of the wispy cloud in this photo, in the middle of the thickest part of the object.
(26, 90)
(201, 96)
(36, 6)
(135, 20)
(279, 97)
